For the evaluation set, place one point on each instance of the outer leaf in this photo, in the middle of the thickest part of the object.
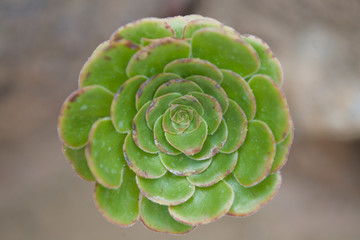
(151, 28)
(182, 165)
(123, 107)
(221, 166)
(178, 23)
(197, 24)
(107, 65)
(189, 143)
(147, 89)
(237, 126)
(167, 190)
(225, 50)
(157, 218)
(271, 105)
(269, 64)
(80, 110)
(78, 161)
(142, 134)
(142, 163)
(249, 200)
(256, 155)
(152, 59)
(238, 90)
(282, 150)
(206, 205)
(119, 206)
(104, 153)
(187, 67)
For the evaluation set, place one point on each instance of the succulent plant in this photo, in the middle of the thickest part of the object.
(179, 121)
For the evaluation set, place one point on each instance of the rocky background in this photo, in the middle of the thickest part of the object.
(43, 45)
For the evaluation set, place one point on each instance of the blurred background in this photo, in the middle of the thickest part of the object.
(43, 45)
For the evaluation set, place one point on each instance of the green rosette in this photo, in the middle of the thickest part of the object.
(178, 121)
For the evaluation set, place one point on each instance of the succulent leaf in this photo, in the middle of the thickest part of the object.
(78, 161)
(271, 105)
(107, 65)
(269, 64)
(152, 59)
(104, 153)
(183, 165)
(256, 155)
(166, 190)
(147, 89)
(157, 218)
(237, 126)
(144, 164)
(123, 109)
(121, 205)
(180, 120)
(206, 205)
(248, 200)
(225, 50)
(80, 110)
(221, 165)
(188, 67)
(282, 150)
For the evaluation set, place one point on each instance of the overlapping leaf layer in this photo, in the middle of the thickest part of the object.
(179, 121)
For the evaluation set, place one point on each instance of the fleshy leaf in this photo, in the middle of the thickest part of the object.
(147, 89)
(181, 86)
(269, 64)
(119, 206)
(194, 66)
(238, 90)
(225, 50)
(271, 105)
(158, 107)
(237, 125)
(212, 88)
(157, 218)
(151, 28)
(144, 164)
(170, 126)
(152, 59)
(107, 65)
(160, 139)
(256, 155)
(206, 205)
(178, 23)
(78, 161)
(123, 107)
(142, 134)
(190, 101)
(249, 199)
(282, 150)
(213, 143)
(221, 166)
(167, 190)
(197, 24)
(189, 143)
(182, 165)
(212, 110)
(104, 153)
(79, 111)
